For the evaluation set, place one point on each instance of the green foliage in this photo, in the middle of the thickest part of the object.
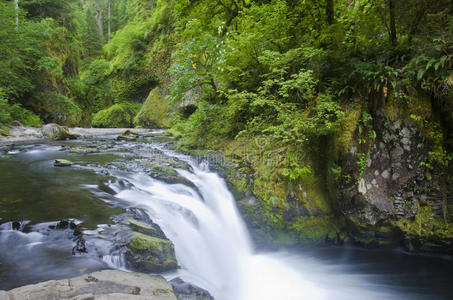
(58, 108)
(10, 112)
(116, 116)
(426, 225)
(153, 113)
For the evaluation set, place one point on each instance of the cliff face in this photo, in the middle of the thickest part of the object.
(383, 180)
(401, 185)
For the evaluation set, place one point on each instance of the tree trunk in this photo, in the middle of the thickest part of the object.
(108, 30)
(99, 19)
(16, 6)
(392, 21)
(330, 12)
(152, 7)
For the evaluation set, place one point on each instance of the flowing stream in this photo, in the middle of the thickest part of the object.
(199, 215)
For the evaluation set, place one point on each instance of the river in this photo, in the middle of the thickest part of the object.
(197, 213)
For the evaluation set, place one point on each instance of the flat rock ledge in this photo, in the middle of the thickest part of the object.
(102, 285)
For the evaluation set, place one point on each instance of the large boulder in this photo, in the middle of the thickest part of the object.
(57, 132)
(146, 253)
(143, 243)
(103, 285)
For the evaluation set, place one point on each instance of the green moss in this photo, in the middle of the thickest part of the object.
(116, 116)
(141, 241)
(157, 168)
(153, 113)
(348, 127)
(314, 229)
(4, 133)
(426, 225)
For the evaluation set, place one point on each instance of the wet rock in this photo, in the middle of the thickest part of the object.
(4, 133)
(127, 138)
(65, 224)
(87, 150)
(57, 132)
(141, 242)
(107, 284)
(129, 132)
(62, 163)
(187, 291)
(165, 173)
(146, 253)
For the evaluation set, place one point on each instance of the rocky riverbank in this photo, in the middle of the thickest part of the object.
(108, 285)
(18, 134)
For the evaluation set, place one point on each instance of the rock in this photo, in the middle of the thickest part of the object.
(57, 132)
(107, 284)
(62, 163)
(129, 132)
(4, 133)
(87, 150)
(127, 138)
(165, 173)
(4, 295)
(16, 123)
(145, 253)
(187, 291)
(362, 186)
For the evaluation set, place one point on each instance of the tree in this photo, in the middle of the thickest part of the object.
(391, 5)
(99, 19)
(109, 14)
(16, 6)
(330, 12)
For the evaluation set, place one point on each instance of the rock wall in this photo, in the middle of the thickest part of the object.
(397, 190)
(389, 190)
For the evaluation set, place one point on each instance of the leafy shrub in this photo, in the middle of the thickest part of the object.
(116, 116)
(9, 113)
(57, 108)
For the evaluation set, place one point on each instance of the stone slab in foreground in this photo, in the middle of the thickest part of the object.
(102, 285)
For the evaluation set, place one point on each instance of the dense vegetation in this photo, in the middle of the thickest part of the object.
(284, 86)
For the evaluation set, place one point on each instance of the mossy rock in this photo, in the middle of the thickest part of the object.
(129, 132)
(127, 138)
(145, 228)
(153, 113)
(4, 133)
(145, 253)
(165, 173)
(57, 132)
(87, 150)
(62, 163)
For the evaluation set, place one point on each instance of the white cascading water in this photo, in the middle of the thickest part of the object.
(214, 250)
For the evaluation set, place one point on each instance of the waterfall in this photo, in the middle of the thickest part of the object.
(211, 241)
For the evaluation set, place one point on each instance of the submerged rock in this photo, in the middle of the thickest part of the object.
(107, 284)
(62, 163)
(187, 291)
